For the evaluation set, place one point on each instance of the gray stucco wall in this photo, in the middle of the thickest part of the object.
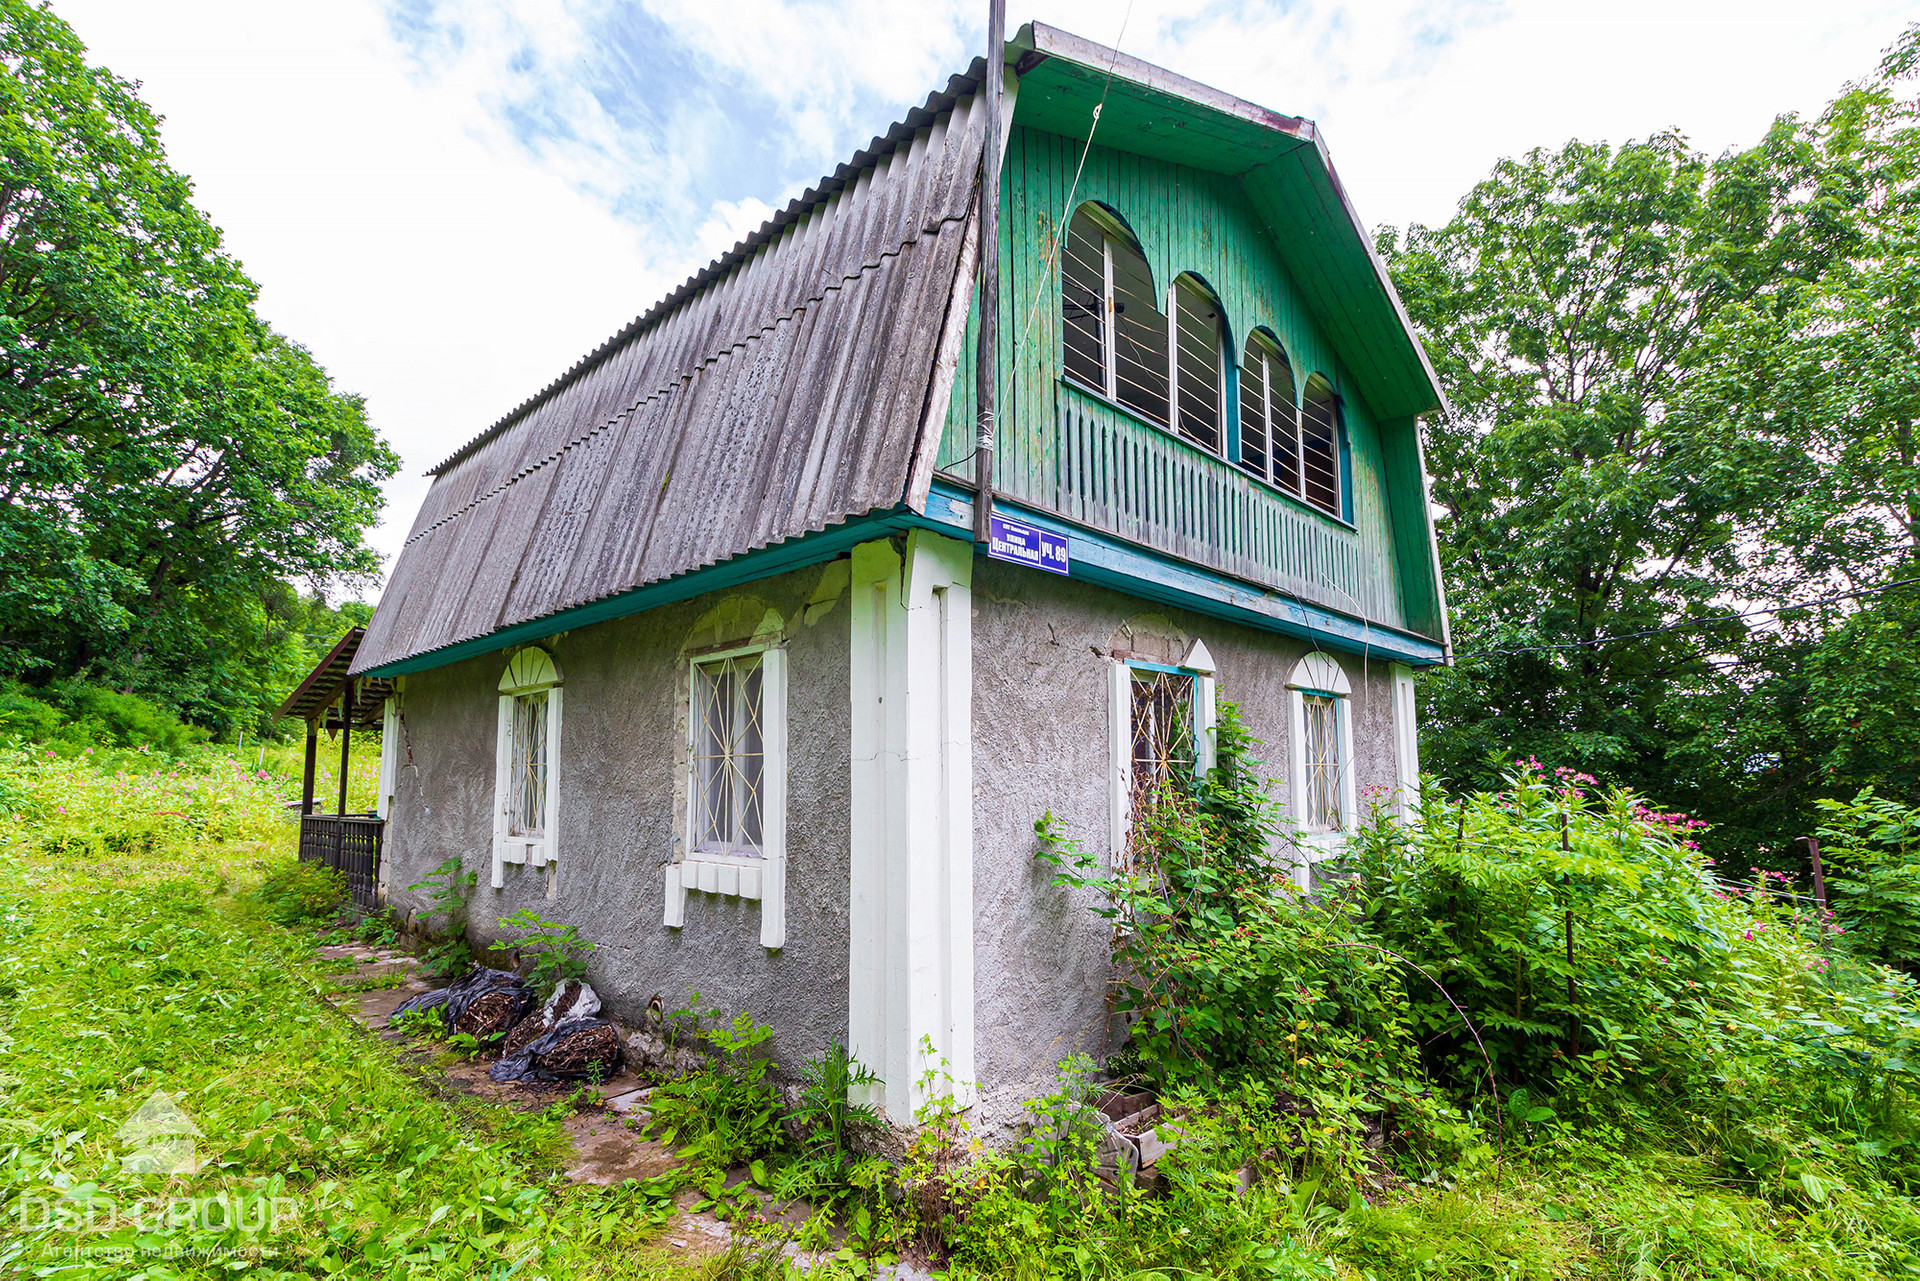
(618, 762)
(1040, 742)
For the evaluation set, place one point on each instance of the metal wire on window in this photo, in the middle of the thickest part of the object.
(1163, 746)
(729, 755)
(1320, 447)
(527, 770)
(1322, 763)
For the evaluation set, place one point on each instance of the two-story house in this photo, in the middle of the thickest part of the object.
(809, 721)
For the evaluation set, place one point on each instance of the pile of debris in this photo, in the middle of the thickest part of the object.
(560, 1041)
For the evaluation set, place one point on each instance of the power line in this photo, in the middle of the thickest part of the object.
(1696, 622)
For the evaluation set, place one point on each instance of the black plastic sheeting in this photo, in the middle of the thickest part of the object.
(576, 1050)
(460, 997)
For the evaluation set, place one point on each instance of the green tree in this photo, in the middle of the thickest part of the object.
(1684, 388)
(171, 465)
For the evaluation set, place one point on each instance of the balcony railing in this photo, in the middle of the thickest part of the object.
(350, 844)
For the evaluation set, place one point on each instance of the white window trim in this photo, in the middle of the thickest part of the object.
(1318, 673)
(1220, 428)
(1263, 346)
(389, 755)
(763, 878)
(1198, 664)
(1406, 746)
(530, 671)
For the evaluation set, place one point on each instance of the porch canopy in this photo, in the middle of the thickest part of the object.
(317, 698)
(332, 699)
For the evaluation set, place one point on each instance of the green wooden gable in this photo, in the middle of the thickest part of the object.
(1244, 199)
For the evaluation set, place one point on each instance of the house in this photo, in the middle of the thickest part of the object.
(697, 649)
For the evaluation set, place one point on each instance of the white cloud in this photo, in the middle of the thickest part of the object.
(450, 201)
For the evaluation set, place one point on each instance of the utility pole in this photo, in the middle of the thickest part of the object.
(986, 365)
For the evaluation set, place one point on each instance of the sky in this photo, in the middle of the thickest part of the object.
(451, 201)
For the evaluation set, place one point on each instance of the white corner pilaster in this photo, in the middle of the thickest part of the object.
(910, 967)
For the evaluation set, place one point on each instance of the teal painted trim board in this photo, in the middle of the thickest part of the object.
(1093, 558)
(781, 558)
(1108, 562)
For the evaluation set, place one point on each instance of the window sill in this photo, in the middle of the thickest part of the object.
(1102, 399)
(719, 874)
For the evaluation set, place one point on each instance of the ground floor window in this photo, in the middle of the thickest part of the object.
(1162, 735)
(1321, 778)
(729, 755)
(733, 840)
(1321, 716)
(526, 765)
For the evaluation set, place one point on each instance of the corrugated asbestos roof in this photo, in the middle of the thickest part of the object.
(779, 391)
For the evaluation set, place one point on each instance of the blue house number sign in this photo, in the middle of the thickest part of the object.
(1023, 544)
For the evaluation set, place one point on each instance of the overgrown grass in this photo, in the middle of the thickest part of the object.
(133, 959)
(135, 956)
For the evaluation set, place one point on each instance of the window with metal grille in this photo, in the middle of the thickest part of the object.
(1199, 382)
(1163, 725)
(729, 756)
(1320, 447)
(1115, 336)
(1321, 756)
(1269, 420)
(527, 766)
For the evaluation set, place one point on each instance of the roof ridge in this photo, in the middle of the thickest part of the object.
(842, 177)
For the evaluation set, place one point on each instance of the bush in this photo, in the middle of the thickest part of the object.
(558, 952)
(1687, 1006)
(73, 715)
(728, 1111)
(302, 893)
(1228, 975)
(1873, 850)
(24, 718)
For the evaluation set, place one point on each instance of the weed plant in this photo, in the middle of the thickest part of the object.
(558, 951)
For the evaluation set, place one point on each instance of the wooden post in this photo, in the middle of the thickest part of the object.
(1819, 873)
(346, 734)
(306, 782)
(987, 364)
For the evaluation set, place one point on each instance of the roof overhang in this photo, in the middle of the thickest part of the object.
(1281, 162)
(317, 698)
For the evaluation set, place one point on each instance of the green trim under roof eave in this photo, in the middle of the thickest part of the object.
(1094, 558)
(794, 553)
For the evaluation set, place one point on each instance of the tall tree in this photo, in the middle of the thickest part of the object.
(169, 462)
(1681, 389)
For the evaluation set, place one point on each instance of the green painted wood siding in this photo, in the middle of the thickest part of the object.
(1094, 463)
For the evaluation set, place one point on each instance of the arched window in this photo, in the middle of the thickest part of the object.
(526, 757)
(1322, 805)
(1320, 446)
(1116, 335)
(1269, 419)
(1199, 385)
